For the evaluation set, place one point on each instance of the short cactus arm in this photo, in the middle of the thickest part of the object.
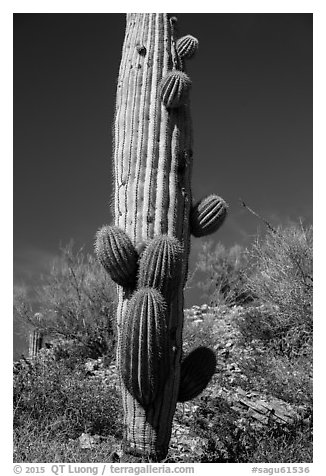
(207, 215)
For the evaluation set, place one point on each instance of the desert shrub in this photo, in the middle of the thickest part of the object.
(275, 374)
(280, 276)
(230, 438)
(75, 301)
(221, 274)
(33, 446)
(198, 334)
(62, 401)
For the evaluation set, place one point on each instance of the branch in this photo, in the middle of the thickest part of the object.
(258, 216)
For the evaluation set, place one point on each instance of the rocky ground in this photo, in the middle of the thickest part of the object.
(229, 383)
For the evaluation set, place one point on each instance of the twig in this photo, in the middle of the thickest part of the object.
(258, 216)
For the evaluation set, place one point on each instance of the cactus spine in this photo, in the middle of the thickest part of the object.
(152, 204)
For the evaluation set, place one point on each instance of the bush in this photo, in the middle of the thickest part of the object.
(280, 276)
(269, 339)
(223, 274)
(75, 301)
(263, 346)
(275, 374)
(62, 402)
(198, 335)
(233, 439)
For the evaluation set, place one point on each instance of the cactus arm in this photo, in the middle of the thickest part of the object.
(117, 255)
(207, 215)
(145, 345)
(186, 46)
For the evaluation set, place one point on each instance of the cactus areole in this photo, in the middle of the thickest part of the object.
(152, 204)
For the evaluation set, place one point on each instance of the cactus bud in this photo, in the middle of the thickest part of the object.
(174, 89)
(196, 371)
(160, 265)
(145, 345)
(207, 215)
(187, 46)
(117, 255)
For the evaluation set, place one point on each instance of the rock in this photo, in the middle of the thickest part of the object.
(225, 353)
(91, 365)
(233, 367)
(197, 321)
(114, 457)
(87, 441)
(218, 346)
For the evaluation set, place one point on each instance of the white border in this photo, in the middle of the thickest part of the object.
(95, 6)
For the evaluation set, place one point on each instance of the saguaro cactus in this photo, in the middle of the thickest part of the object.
(35, 339)
(35, 343)
(152, 206)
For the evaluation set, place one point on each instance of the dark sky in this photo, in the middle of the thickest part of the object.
(252, 116)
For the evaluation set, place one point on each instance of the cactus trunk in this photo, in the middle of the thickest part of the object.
(146, 250)
(151, 198)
